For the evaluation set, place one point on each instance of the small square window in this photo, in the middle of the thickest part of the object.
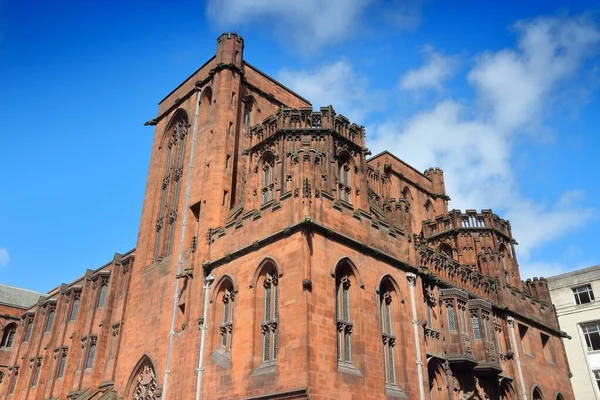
(583, 294)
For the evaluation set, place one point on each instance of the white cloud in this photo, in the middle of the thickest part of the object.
(437, 69)
(311, 24)
(335, 84)
(4, 257)
(474, 146)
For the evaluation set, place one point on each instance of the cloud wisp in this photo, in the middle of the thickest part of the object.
(312, 24)
(4, 257)
(475, 141)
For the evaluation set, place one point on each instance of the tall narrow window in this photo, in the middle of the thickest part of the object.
(8, 335)
(475, 324)
(591, 333)
(75, 306)
(524, 339)
(344, 181)
(50, 320)
(389, 340)
(597, 377)
(62, 363)
(103, 291)
(13, 381)
(451, 316)
(271, 316)
(91, 353)
(175, 140)
(37, 365)
(344, 320)
(248, 112)
(227, 319)
(28, 328)
(429, 211)
(547, 347)
(268, 181)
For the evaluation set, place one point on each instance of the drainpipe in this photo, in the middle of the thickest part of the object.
(412, 280)
(207, 282)
(180, 256)
(511, 324)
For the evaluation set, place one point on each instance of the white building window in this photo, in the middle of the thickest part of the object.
(591, 332)
(583, 294)
(597, 377)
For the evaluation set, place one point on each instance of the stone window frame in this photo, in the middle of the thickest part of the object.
(90, 357)
(50, 315)
(8, 335)
(74, 297)
(588, 329)
(13, 380)
(223, 325)
(268, 177)
(36, 366)
(175, 138)
(581, 291)
(28, 320)
(344, 181)
(61, 355)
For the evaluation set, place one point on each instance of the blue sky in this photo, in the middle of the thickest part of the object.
(502, 95)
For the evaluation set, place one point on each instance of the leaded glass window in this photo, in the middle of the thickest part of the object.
(451, 316)
(344, 181)
(227, 319)
(344, 320)
(170, 187)
(91, 354)
(75, 306)
(50, 320)
(388, 338)
(62, 363)
(475, 324)
(28, 328)
(271, 316)
(268, 182)
(102, 295)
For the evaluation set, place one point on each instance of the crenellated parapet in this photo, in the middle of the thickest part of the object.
(470, 220)
(304, 121)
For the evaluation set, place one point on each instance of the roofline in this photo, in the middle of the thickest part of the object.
(187, 79)
(25, 290)
(276, 82)
(384, 152)
(573, 273)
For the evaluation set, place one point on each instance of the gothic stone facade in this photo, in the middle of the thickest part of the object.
(276, 260)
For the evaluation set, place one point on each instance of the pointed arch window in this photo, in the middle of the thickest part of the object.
(75, 306)
(8, 335)
(146, 386)
(28, 328)
(62, 363)
(386, 297)
(248, 106)
(37, 366)
(91, 353)
(171, 185)
(268, 180)
(429, 211)
(13, 381)
(343, 173)
(344, 317)
(271, 315)
(103, 292)
(226, 327)
(50, 319)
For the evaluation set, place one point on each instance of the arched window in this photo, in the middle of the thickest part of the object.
(175, 140)
(206, 105)
(387, 300)
(227, 297)
(438, 381)
(343, 173)
(344, 280)
(142, 383)
(445, 249)
(537, 394)
(50, 320)
(248, 106)
(268, 180)
(62, 363)
(28, 328)
(270, 314)
(559, 397)
(91, 353)
(429, 211)
(8, 335)
(103, 292)
(75, 306)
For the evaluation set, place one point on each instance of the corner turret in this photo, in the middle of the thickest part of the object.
(230, 48)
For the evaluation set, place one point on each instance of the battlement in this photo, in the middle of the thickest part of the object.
(230, 36)
(470, 219)
(429, 172)
(304, 119)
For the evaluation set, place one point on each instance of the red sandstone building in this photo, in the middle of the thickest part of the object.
(276, 260)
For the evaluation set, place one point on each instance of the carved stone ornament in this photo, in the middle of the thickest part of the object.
(145, 387)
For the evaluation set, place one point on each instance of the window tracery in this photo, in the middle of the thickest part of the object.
(271, 316)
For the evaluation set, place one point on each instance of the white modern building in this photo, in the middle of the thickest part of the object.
(576, 296)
